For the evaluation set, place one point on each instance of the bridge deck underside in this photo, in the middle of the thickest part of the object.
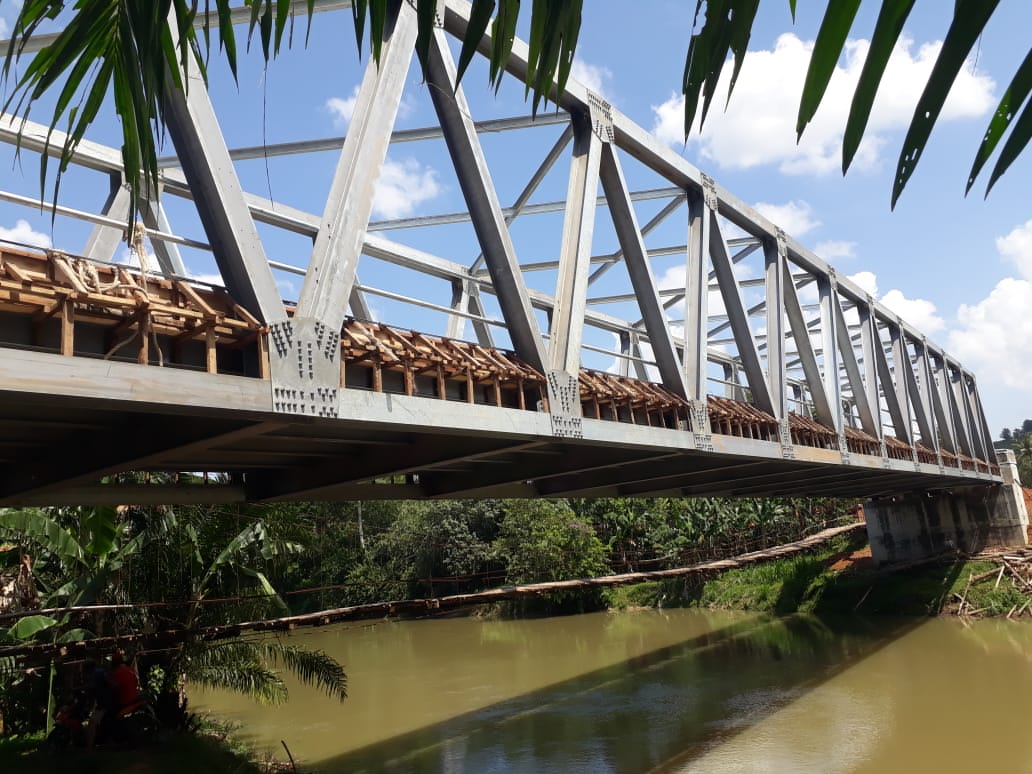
(120, 417)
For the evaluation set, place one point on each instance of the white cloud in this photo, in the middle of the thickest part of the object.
(866, 280)
(673, 277)
(402, 187)
(342, 108)
(1017, 246)
(795, 217)
(831, 249)
(917, 311)
(3, 28)
(23, 234)
(758, 126)
(592, 76)
(994, 337)
(208, 278)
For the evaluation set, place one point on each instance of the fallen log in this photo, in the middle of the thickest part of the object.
(167, 637)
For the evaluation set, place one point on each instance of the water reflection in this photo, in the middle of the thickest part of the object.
(945, 697)
(659, 691)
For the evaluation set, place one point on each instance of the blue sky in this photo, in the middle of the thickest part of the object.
(958, 268)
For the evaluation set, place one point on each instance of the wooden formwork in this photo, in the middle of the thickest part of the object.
(926, 455)
(809, 432)
(859, 442)
(622, 399)
(378, 357)
(732, 417)
(51, 301)
(898, 449)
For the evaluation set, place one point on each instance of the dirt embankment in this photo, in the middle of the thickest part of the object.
(1027, 491)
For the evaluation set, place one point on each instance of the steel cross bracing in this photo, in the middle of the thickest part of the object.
(648, 267)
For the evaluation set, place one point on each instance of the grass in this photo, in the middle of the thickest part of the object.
(782, 586)
(807, 584)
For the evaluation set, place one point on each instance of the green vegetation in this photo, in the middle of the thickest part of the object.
(149, 570)
(164, 576)
(1019, 440)
(782, 587)
(808, 584)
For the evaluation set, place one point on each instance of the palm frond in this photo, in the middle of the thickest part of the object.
(235, 665)
(311, 667)
(969, 20)
(8, 667)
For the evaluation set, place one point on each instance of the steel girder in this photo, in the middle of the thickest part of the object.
(838, 356)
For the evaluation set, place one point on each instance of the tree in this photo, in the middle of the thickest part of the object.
(545, 540)
(1023, 454)
(136, 49)
(163, 566)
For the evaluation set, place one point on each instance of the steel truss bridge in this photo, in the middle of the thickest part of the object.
(756, 370)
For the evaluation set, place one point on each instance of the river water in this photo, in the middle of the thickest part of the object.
(660, 691)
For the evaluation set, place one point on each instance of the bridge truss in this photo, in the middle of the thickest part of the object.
(639, 331)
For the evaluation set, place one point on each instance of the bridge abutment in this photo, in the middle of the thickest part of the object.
(922, 524)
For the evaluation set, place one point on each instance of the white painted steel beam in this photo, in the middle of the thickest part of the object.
(338, 245)
(847, 358)
(890, 391)
(104, 240)
(632, 245)
(486, 211)
(537, 208)
(614, 258)
(696, 295)
(958, 412)
(829, 347)
(807, 356)
(739, 319)
(398, 136)
(919, 379)
(940, 403)
(774, 303)
(238, 250)
(868, 342)
(566, 332)
(902, 374)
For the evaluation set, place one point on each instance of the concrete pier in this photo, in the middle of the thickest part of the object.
(922, 524)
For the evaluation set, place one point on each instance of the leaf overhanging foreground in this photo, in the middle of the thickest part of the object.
(709, 49)
(137, 49)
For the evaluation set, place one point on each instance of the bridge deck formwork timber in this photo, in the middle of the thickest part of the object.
(109, 371)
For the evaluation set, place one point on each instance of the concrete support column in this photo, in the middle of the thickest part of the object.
(922, 524)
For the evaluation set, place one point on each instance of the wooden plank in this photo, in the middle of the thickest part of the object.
(68, 327)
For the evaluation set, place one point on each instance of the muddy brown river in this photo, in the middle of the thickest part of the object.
(660, 691)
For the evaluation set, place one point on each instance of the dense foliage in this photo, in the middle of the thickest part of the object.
(1020, 441)
(186, 568)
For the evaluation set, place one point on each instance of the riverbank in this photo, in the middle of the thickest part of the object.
(213, 746)
(840, 578)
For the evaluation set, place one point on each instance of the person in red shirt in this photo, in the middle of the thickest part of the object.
(124, 683)
(113, 690)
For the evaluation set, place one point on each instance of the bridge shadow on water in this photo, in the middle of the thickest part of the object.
(661, 710)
